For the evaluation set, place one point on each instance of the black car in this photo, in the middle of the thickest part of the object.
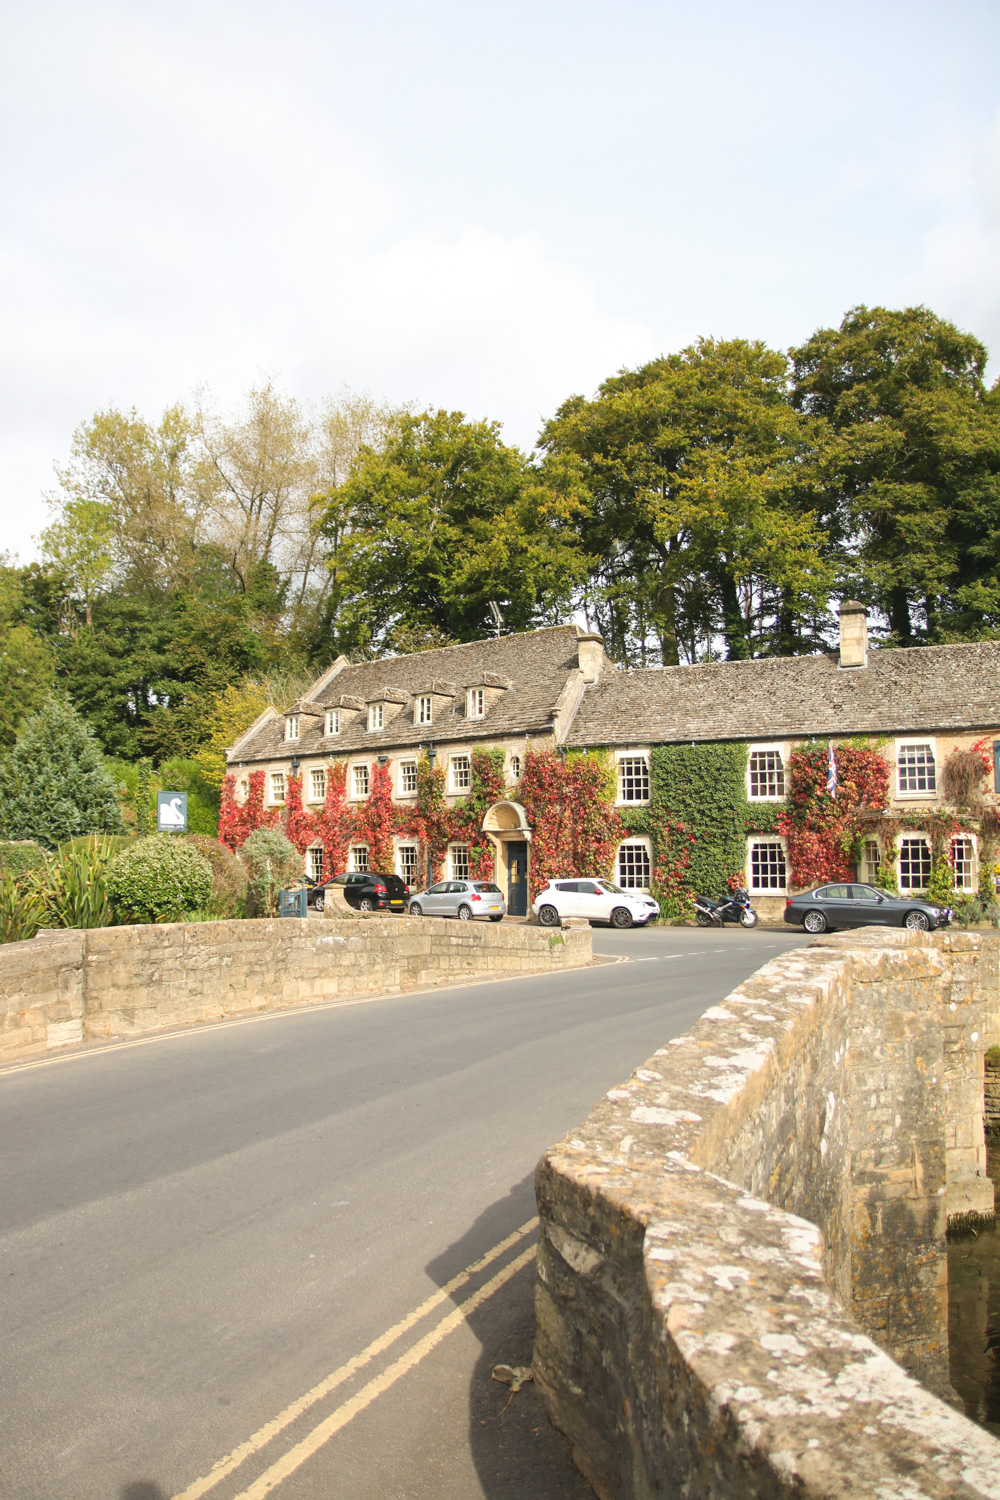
(853, 905)
(367, 892)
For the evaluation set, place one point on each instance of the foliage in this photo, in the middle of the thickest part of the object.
(570, 805)
(672, 845)
(159, 879)
(912, 465)
(337, 821)
(143, 798)
(232, 711)
(19, 860)
(272, 865)
(74, 888)
(962, 779)
(26, 667)
(229, 876)
(183, 774)
(885, 877)
(377, 821)
(701, 788)
(239, 818)
(445, 518)
(53, 783)
(466, 822)
(823, 832)
(941, 883)
(21, 910)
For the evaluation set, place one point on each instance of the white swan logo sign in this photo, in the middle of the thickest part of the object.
(171, 812)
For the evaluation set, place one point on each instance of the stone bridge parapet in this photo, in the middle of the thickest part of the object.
(743, 1262)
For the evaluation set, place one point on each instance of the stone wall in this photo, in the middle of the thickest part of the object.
(991, 1099)
(736, 1240)
(74, 986)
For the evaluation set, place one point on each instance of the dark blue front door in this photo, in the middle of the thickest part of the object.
(517, 880)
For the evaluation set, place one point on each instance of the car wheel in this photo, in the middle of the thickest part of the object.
(703, 919)
(814, 922)
(496, 919)
(621, 917)
(465, 913)
(415, 909)
(916, 921)
(366, 904)
(548, 916)
(320, 902)
(748, 918)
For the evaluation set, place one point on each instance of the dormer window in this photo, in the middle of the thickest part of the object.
(425, 709)
(376, 716)
(476, 703)
(333, 721)
(292, 727)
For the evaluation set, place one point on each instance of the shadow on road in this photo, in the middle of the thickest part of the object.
(142, 1489)
(516, 1450)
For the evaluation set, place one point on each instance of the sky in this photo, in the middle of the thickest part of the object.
(485, 208)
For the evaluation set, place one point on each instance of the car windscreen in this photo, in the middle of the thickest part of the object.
(486, 888)
(614, 890)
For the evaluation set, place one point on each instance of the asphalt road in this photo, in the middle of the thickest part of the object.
(203, 1235)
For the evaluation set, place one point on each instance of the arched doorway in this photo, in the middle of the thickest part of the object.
(506, 824)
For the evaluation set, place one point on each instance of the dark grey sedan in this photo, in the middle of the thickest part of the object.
(855, 905)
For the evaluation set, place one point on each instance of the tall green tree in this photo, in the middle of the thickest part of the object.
(53, 781)
(913, 465)
(443, 519)
(26, 666)
(702, 515)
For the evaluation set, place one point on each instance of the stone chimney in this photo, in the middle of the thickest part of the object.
(853, 634)
(590, 649)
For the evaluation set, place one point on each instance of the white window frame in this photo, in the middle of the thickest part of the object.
(621, 757)
(767, 749)
(914, 743)
(356, 766)
(412, 877)
(402, 790)
(766, 841)
(870, 867)
(636, 841)
(359, 858)
(332, 721)
(466, 786)
(515, 768)
(292, 727)
(458, 857)
(314, 867)
(970, 840)
(272, 779)
(243, 791)
(913, 838)
(315, 771)
(376, 717)
(423, 711)
(475, 703)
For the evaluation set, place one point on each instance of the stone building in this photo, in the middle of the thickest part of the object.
(556, 689)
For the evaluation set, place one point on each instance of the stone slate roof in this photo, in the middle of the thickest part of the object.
(537, 665)
(899, 692)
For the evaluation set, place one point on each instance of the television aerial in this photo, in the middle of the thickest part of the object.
(497, 617)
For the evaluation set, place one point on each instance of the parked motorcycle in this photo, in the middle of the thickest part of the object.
(733, 908)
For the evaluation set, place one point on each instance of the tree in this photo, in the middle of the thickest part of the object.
(53, 782)
(446, 518)
(914, 466)
(702, 515)
(26, 668)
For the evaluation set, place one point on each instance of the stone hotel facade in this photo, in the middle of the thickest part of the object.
(555, 689)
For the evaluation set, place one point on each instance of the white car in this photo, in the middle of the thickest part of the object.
(597, 900)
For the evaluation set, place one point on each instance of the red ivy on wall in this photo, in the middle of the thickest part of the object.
(237, 820)
(378, 821)
(337, 822)
(576, 827)
(822, 832)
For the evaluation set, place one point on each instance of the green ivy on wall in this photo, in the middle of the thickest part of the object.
(704, 787)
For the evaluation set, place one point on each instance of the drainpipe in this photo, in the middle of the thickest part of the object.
(431, 757)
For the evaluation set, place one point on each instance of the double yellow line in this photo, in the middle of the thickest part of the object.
(297, 1455)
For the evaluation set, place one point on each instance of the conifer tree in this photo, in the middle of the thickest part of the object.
(53, 782)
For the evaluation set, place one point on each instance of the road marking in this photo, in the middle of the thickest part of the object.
(331, 1425)
(277, 1424)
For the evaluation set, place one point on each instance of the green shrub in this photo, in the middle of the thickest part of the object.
(181, 775)
(20, 911)
(21, 859)
(992, 1057)
(885, 877)
(272, 865)
(159, 879)
(941, 884)
(229, 876)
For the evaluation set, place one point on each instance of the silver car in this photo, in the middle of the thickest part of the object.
(464, 899)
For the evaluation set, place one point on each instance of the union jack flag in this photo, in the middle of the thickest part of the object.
(831, 775)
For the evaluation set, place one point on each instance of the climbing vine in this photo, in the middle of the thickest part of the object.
(571, 808)
(824, 833)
